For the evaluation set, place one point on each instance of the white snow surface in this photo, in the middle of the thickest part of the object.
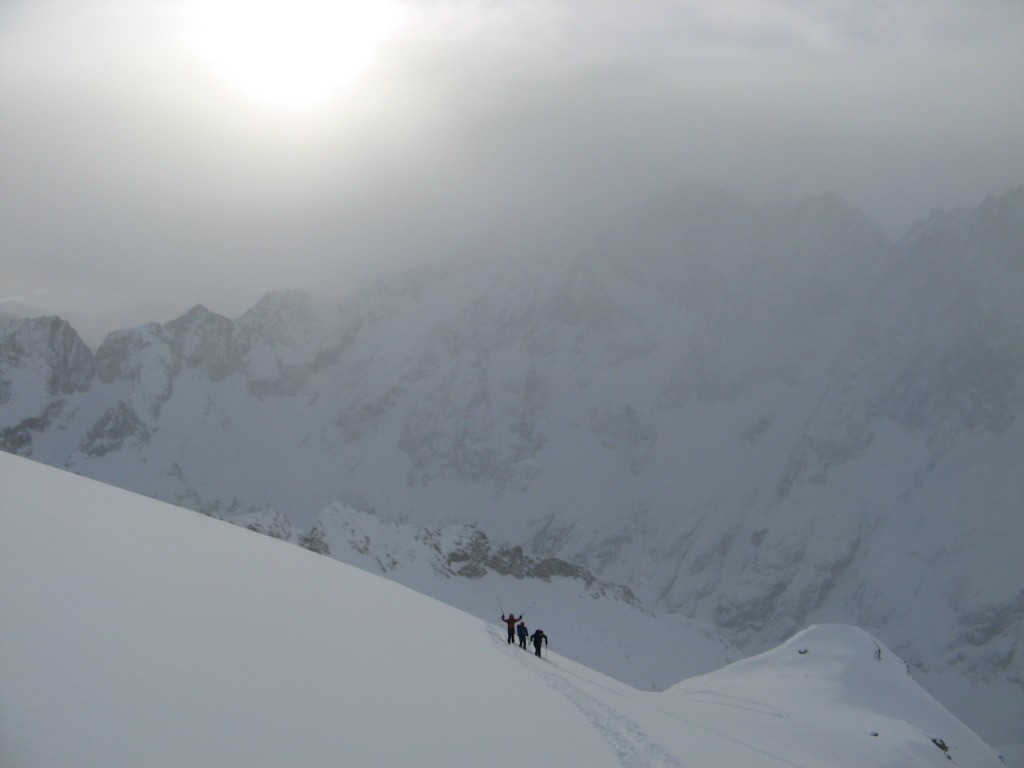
(599, 623)
(136, 634)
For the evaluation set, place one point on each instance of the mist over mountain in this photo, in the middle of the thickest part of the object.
(759, 418)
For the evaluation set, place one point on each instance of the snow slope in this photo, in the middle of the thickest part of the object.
(140, 634)
(600, 624)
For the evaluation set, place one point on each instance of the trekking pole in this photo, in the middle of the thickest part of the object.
(529, 607)
(499, 607)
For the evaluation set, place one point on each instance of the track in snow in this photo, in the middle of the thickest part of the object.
(633, 747)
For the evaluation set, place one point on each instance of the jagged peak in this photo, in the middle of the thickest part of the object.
(135, 332)
(54, 340)
(996, 225)
(197, 317)
(197, 312)
(46, 332)
(54, 323)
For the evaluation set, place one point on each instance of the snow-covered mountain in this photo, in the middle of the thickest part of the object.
(757, 419)
(136, 633)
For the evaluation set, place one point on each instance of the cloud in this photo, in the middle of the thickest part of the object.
(133, 175)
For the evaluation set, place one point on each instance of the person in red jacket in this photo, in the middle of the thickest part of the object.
(511, 622)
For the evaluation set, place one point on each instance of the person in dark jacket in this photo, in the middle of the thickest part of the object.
(523, 633)
(539, 637)
(510, 621)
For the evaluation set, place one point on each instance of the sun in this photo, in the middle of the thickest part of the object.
(292, 54)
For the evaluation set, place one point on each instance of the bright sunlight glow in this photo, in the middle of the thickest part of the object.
(292, 54)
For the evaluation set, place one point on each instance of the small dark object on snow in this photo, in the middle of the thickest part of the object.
(802, 651)
(940, 744)
(873, 733)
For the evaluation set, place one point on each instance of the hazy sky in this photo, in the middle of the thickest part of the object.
(158, 154)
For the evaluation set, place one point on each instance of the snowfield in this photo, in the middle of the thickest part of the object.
(138, 634)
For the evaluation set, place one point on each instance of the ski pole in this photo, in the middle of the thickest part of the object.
(529, 607)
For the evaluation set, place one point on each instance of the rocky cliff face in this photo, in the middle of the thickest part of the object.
(42, 362)
(760, 418)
